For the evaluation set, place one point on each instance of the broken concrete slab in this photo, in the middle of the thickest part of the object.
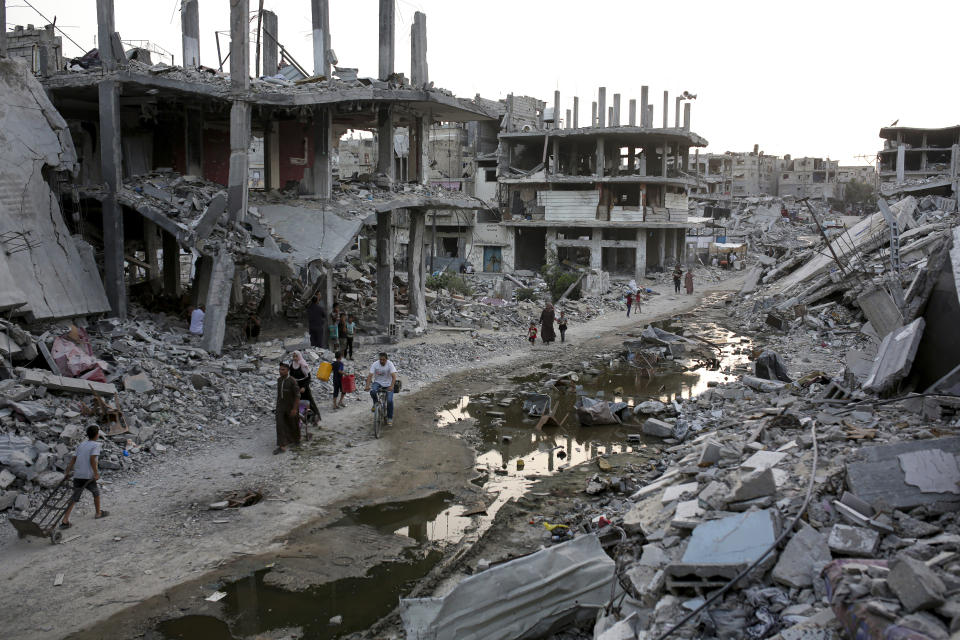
(917, 586)
(139, 383)
(657, 428)
(41, 378)
(687, 515)
(881, 310)
(735, 540)
(756, 484)
(931, 470)
(204, 225)
(853, 541)
(895, 357)
(752, 280)
(763, 460)
(676, 491)
(806, 552)
(879, 477)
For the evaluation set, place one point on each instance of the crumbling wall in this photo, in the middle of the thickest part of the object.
(54, 270)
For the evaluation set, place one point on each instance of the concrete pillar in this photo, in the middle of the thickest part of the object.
(555, 164)
(416, 282)
(321, 174)
(650, 115)
(686, 116)
(600, 158)
(269, 44)
(238, 180)
(272, 305)
(385, 143)
(593, 114)
(631, 158)
(190, 31)
(610, 116)
(423, 126)
(901, 157)
(171, 264)
(202, 270)
(644, 106)
(193, 141)
(151, 248)
(665, 156)
(419, 75)
(384, 270)
(676, 113)
(239, 46)
(596, 251)
(3, 28)
(387, 31)
(602, 107)
(616, 110)
(271, 154)
(666, 108)
(661, 247)
(670, 253)
(556, 109)
(218, 303)
(576, 112)
(320, 20)
(633, 113)
(111, 164)
(640, 269)
(551, 242)
(236, 289)
(568, 122)
(105, 30)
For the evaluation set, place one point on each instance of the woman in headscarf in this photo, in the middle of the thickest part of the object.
(300, 371)
(547, 333)
(688, 281)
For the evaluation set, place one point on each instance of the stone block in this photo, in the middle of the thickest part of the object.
(710, 454)
(6, 479)
(7, 499)
(763, 460)
(676, 491)
(139, 383)
(714, 496)
(755, 484)
(917, 586)
(687, 515)
(657, 428)
(49, 479)
(806, 549)
(853, 541)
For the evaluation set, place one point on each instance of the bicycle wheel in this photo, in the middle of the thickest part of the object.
(378, 420)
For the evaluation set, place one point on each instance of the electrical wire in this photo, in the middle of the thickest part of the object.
(82, 50)
(787, 531)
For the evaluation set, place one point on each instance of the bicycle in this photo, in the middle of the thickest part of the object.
(380, 412)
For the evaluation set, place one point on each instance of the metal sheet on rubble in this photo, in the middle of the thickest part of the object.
(313, 234)
(510, 600)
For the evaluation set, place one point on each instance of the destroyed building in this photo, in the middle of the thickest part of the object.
(736, 173)
(610, 196)
(919, 161)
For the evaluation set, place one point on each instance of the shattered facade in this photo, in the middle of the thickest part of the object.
(919, 161)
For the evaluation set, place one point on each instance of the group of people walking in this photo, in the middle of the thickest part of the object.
(335, 330)
(548, 318)
(687, 279)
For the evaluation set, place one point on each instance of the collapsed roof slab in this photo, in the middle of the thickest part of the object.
(617, 136)
(313, 234)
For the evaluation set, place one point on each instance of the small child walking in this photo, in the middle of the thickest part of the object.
(334, 329)
(85, 474)
(532, 333)
(562, 325)
(629, 302)
(338, 394)
(351, 329)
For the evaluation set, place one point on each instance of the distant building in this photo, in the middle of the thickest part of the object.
(919, 161)
(42, 48)
(737, 174)
(808, 178)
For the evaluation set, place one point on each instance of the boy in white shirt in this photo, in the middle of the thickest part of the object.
(85, 474)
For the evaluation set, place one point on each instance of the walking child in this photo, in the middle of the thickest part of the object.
(334, 330)
(85, 474)
(338, 394)
(562, 325)
(532, 333)
(351, 329)
(629, 302)
(677, 275)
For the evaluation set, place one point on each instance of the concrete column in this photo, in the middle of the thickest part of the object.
(3, 28)
(556, 109)
(322, 171)
(239, 46)
(423, 124)
(633, 113)
(151, 248)
(190, 31)
(640, 269)
(202, 270)
(600, 158)
(568, 122)
(171, 264)
(218, 303)
(236, 290)
(419, 74)
(111, 164)
(320, 20)
(602, 107)
(616, 110)
(631, 158)
(271, 154)
(385, 143)
(610, 116)
(676, 113)
(576, 112)
(644, 106)
(416, 282)
(666, 108)
(670, 243)
(596, 251)
(269, 44)
(193, 141)
(384, 270)
(238, 180)
(555, 165)
(686, 116)
(901, 157)
(387, 31)
(551, 242)
(665, 156)
(593, 114)
(661, 246)
(272, 304)
(105, 30)
(650, 115)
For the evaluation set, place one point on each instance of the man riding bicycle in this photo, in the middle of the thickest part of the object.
(383, 375)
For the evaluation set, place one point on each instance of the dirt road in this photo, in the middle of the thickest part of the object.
(160, 533)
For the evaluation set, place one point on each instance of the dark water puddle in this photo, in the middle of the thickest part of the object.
(432, 519)
(252, 607)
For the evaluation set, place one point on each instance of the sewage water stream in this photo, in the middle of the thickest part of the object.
(503, 435)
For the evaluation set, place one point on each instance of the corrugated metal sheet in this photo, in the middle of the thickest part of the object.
(569, 205)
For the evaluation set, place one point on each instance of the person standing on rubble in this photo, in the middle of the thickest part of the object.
(316, 318)
(300, 371)
(629, 301)
(351, 329)
(677, 275)
(688, 281)
(288, 403)
(196, 320)
(547, 334)
(562, 325)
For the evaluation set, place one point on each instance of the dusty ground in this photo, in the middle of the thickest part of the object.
(160, 542)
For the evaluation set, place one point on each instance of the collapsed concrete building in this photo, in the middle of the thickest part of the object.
(160, 161)
(919, 161)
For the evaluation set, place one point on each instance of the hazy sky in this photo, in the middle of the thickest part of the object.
(810, 78)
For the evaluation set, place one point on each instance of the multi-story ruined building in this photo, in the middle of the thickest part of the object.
(919, 161)
(41, 48)
(808, 178)
(736, 174)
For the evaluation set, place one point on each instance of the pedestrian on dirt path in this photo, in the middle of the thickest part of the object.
(547, 318)
(677, 275)
(562, 325)
(629, 302)
(338, 382)
(383, 375)
(316, 317)
(532, 333)
(351, 329)
(300, 371)
(688, 281)
(85, 474)
(288, 418)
